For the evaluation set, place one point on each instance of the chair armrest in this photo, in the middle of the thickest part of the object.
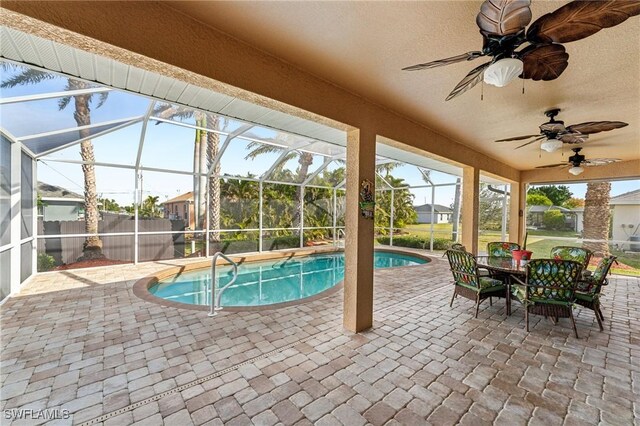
(513, 277)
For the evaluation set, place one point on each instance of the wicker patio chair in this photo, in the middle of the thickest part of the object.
(549, 289)
(577, 254)
(588, 290)
(468, 283)
(501, 248)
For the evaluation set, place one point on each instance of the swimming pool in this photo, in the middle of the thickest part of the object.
(270, 282)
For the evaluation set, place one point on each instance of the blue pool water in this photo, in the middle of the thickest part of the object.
(269, 282)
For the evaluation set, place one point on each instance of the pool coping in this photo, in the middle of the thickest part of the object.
(141, 287)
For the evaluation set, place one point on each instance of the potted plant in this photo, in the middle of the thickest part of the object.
(522, 254)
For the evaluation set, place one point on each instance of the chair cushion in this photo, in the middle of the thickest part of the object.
(585, 285)
(587, 297)
(487, 283)
(577, 254)
(519, 291)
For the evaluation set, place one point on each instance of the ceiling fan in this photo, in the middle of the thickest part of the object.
(577, 160)
(502, 25)
(555, 132)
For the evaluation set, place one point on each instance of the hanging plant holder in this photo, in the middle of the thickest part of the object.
(367, 205)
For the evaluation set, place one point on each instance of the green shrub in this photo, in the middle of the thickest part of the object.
(413, 241)
(553, 219)
(45, 262)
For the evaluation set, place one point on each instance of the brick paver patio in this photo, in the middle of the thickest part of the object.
(82, 341)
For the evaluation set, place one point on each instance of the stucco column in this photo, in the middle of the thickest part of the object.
(517, 205)
(358, 274)
(470, 207)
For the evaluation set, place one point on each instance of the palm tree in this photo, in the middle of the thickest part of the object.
(305, 160)
(206, 148)
(403, 211)
(596, 217)
(92, 248)
(150, 207)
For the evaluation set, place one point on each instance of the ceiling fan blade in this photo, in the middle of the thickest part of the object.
(548, 166)
(530, 142)
(580, 19)
(470, 80)
(596, 126)
(599, 161)
(469, 56)
(544, 62)
(503, 17)
(517, 138)
(555, 127)
(573, 138)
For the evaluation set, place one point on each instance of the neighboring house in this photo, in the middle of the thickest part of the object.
(579, 212)
(572, 217)
(441, 214)
(57, 203)
(180, 208)
(625, 224)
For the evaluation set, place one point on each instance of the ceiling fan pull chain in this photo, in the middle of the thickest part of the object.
(523, 86)
(482, 91)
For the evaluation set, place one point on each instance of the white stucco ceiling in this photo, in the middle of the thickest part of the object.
(363, 45)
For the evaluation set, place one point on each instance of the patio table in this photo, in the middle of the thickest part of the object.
(506, 266)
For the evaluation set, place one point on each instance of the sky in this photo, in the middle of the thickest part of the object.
(168, 146)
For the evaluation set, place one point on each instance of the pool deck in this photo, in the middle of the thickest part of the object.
(80, 340)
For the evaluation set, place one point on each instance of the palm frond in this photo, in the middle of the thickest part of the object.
(63, 102)
(28, 76)
(171, 112)
(387, 167)
(102, 99)
(256, 149)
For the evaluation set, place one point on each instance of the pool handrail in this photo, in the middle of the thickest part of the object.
(344, 234)
(215, 301)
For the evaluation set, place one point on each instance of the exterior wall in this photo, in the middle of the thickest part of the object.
(579, 222)
(179, 211)
(61, 210)
(625, 214)
(425, 217)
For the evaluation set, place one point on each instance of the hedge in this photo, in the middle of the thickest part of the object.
(414, 241)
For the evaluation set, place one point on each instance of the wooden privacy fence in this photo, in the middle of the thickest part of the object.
(118, 247)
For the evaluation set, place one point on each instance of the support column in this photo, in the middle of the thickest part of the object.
(517, 217)
(16, 229)
(470, 208)
(358, 275)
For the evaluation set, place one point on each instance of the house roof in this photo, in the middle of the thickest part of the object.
(542, 209)
(631, 197)
(187, 196)
(49, 192)
(438, 208)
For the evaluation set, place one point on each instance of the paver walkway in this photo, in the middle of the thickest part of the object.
(82, 341)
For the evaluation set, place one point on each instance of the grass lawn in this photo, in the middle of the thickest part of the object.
(540, 242)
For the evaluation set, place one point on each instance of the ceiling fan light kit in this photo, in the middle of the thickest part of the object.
(576, 170)
(503, 72)
(554, 133)
(551, 145)
(577, 160)
(503, 26)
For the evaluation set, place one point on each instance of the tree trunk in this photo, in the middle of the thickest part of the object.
(305, 161)
(596, 217)
(213, 146)
(199, 167)
(92, 248)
